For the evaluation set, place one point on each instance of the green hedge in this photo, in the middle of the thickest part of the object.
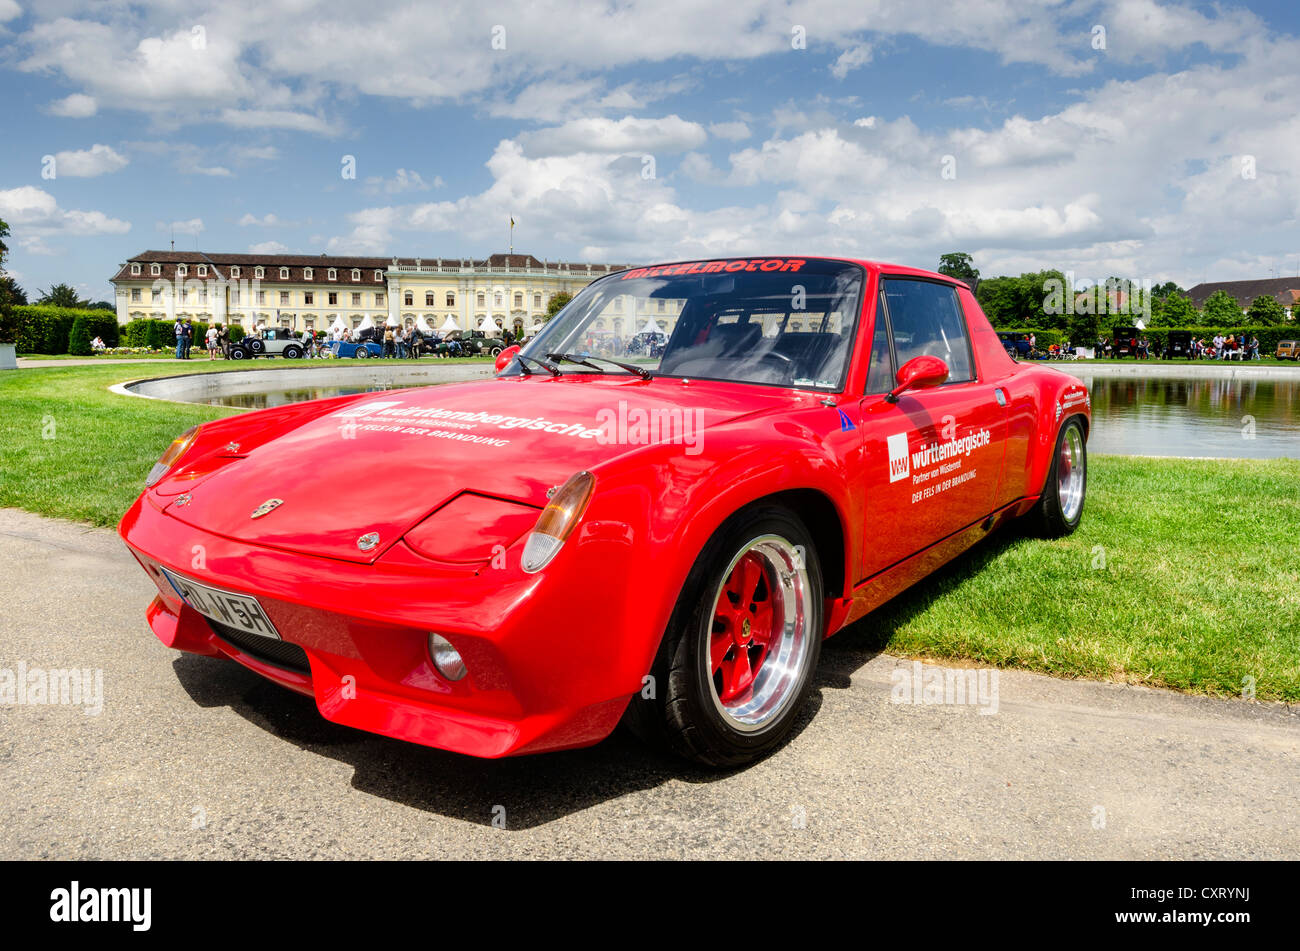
(151, 332)
(40, 328)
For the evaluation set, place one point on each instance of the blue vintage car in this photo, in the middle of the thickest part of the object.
(346, 350)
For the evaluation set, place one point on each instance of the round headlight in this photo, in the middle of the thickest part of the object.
(446, 658)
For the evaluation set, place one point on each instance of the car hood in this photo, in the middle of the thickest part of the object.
(383, 463)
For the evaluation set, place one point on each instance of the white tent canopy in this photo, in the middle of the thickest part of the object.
(391, 321)
(366, 323)
(489, 327)
(449, 325)
(651, 327)
(422, 325)
(338, 326)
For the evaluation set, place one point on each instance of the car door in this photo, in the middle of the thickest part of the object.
(934, 457)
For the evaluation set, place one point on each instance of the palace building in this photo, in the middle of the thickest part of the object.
(305, 292)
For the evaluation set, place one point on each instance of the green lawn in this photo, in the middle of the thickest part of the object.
(1185, 573)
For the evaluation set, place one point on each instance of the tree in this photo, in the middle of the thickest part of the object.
(9, 288)
(7, 329)
(62, 295)
(79, 337)
(1174, 309)
(1265, 311)
(101, 305)
(1221, 310)
(557, 304)
(960, 265)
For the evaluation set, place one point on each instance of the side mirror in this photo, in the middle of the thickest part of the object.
(918, 372)
(505, 357)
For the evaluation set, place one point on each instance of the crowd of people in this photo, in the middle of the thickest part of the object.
(1220, 347)
(398, 343)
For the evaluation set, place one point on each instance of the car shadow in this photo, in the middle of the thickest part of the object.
(535, 790)
(532, 790)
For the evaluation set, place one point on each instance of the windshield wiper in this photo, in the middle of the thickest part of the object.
(523, 366)
(582, 358)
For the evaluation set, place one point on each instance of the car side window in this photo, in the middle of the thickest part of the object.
(880, 368)
(927, 320)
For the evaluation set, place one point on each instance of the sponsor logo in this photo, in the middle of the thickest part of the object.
(365, 409)
(898, 458)
(717, 267)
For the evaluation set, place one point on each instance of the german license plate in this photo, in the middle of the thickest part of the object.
(234, 610)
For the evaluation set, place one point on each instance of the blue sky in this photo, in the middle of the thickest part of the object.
(629, 132)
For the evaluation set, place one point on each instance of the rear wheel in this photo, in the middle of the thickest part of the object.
(736, 661)
(362, 353)
(1060, 509)
(238, 353)
(293, 353)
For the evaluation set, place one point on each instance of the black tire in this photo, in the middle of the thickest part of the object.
(362, 353)
(1049, 518)
(238, 353)
(292, 353)
(257, 346)
(684, 714)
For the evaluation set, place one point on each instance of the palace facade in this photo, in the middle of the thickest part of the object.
(313, 292)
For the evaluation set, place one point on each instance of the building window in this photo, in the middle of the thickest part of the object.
(157, 295)
(379, 300)
(334, 298)
(451, 298)
(379, 275)
(408, 299)
(185, 295)
(155, 269)
(308, 298)
(284, 274)
(428, 298)
(203, 270)
(481, 298)
(497, 298)
(356, 300)
(234, 271)
(261, 297)
(135, 269)
(537, 302)
(661, 305)
(284, 297)
(135, 295)
(332, 274)
(519, 300)
(182, 270)
(259, 272)
(306, 274)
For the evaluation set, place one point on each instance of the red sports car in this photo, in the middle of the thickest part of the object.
(517, 564)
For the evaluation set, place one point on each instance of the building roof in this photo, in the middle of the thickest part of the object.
(221, 262)
(1285, 290)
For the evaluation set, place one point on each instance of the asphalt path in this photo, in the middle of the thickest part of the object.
(197, 758)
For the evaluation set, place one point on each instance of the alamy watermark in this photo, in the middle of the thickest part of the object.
(39, 686)
(948, 686)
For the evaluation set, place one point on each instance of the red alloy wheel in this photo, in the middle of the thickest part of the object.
(743, 619)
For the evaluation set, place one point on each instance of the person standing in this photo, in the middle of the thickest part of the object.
(189, 337)
(179, 330)
(211, 338)
(223, 340)
(388, 342)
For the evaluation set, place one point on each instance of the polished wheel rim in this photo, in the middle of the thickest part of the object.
(1070, 474)
(758, 636)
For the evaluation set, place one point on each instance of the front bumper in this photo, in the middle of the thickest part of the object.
(547, 671)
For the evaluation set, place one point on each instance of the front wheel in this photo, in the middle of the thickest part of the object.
(1060, 509)
(736, 661)
(293, 353)
(238, 353)
(362, 353)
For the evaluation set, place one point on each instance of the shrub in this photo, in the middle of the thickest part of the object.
(79, 338)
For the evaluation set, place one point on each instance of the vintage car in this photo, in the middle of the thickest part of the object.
(1178, 344)
(349, 349)
(269, 342)
(1126, 341)
(458, 343)
(1288, 350)
(582, 540)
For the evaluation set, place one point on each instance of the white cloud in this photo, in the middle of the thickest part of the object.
(665, 135)
(279, 119)
(269, 220)
(735, 131)
(403, 181)
(75, 106)
(34, 214)
(9, 10)
(866, 122)
(191, 226)
(267, 247)
(255, 153)
(88, 163)
(852, 58)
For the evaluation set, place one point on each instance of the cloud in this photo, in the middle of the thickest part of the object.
(88, 163)
(730, 130)
(853, 58)
(269, 220)
(627, 135)
(267, 247)
(34, 214)
(403, 181)
(254, 153)
(76, 106)
(279, 119)
(9, 10)
(187, 157)
(192, 226)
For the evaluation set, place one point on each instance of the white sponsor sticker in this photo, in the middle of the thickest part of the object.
(899, 463)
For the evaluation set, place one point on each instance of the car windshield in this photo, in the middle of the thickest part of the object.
(779, 321)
